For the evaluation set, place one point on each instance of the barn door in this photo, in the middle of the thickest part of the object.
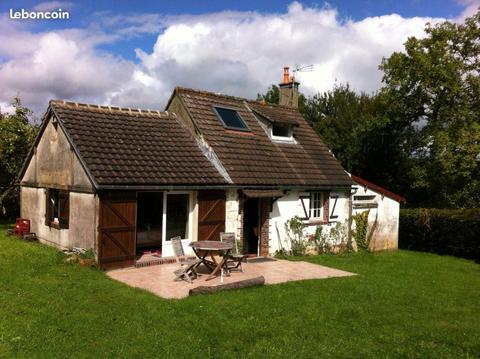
(117, 232)
(211, 215)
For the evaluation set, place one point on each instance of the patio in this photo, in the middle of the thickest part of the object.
(158, 279)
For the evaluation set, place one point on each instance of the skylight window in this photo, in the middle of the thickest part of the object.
(231, 119)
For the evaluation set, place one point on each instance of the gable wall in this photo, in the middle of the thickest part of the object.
(54, 164)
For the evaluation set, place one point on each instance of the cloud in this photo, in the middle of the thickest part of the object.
(53, 5)
(243, 53)
(239, 53)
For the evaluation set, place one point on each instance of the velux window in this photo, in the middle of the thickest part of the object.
(230, 119)
(57, 208)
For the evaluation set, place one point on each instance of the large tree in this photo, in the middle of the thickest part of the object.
(16, 137)
(434, 86)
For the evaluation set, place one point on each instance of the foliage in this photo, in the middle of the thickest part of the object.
(427, 304)
(360, 231)
(294, 229)
(16, 137)
(330, 239)
(419, 135)
(443, 231)
(434, 85)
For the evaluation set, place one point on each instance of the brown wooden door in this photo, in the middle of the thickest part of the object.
(211, 215)
(117, 231)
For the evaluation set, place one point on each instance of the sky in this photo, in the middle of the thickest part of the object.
(134, 53)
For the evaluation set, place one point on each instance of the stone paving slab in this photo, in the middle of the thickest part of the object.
(159, 279)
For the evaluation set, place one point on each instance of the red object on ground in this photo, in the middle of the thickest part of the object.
(22, 226)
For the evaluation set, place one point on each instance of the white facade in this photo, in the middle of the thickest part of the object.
(291, 205)
(383, 216)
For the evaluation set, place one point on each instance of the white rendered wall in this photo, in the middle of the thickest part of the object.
(387, 216)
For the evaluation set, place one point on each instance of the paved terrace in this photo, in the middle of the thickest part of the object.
(159, 279)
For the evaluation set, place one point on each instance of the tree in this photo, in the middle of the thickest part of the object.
(16, 137)
(434, 86)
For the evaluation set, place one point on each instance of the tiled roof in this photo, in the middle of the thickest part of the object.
(135, 147)
(252, 158)
(277, 113)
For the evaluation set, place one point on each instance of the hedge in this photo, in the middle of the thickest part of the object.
(442, 231)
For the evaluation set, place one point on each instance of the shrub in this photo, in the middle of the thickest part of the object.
(442, 231)
(294, 228)
(360, 231)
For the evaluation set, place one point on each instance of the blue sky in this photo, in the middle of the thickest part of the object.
(134, 52)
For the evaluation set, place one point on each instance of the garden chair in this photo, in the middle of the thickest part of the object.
(234, 257)
(187, 270)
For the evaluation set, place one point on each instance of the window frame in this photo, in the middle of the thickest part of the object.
(236, 110)
(58, 207)
(311, 205)
(282, 138)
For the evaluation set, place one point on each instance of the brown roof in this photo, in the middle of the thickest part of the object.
(376, 188)
(134, 147)
(277, 113)
(252, 158)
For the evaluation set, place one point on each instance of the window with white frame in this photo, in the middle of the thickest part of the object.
(315, 205)
(311, 206)
(281, 132)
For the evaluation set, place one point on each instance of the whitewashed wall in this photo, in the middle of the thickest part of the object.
(289, 206)
(387, 216)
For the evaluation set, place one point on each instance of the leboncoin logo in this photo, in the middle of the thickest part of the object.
(23, 14)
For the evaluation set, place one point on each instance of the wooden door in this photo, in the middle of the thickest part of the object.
(211, 215)
(117, 231)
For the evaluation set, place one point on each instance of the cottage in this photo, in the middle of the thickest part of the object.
(124, 181)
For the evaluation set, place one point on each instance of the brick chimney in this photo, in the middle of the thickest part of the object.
(288, 90)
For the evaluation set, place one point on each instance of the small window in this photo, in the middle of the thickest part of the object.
(315, 205)
(281, 131)
(231, 118)
(57, 211)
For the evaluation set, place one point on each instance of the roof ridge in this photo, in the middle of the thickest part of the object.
(219, 94)
(205, 92)
(108, 107)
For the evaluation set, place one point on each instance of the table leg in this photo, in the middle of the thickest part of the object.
(217, 268)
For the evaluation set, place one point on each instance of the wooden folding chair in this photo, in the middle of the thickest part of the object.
(234, 257)
(187, 270)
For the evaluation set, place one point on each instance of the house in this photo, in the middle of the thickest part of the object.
(124, 181)
(384, 210)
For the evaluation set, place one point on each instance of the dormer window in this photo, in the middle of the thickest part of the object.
(231, 119)
(281, 132)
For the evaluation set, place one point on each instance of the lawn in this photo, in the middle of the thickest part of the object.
(402, 304)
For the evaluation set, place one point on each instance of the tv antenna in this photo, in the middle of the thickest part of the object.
(298, 68)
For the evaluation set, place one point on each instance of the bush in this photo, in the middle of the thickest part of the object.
(442, 231)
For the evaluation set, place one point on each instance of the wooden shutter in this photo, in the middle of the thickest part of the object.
(117, 230)
(48, 207)
(211, 215)
(304, 206)
(64, 208)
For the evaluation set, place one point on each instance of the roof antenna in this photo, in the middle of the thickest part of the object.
(298, 68)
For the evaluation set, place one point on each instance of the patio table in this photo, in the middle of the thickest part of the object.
(204, 249)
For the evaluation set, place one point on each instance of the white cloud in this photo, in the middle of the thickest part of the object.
(53, 5)
(239, 53)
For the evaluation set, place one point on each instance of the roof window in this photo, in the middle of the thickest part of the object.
(231, 119)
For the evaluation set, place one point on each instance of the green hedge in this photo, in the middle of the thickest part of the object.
(442, 231)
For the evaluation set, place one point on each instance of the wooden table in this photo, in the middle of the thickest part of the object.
(204, 249)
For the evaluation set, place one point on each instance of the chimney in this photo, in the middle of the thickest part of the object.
(288, 90)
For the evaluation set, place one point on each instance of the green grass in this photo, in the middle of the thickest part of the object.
(402, 304)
